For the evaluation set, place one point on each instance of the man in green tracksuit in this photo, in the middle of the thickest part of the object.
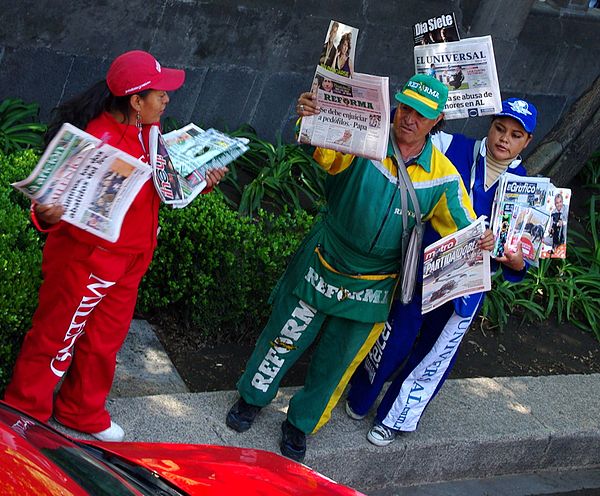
(341, 280)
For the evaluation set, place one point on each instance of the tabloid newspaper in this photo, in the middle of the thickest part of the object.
(180, 160)
(440, 29)
(533, 211)
(455, 266)
(468, 68)
(355, 108)
(94, 182)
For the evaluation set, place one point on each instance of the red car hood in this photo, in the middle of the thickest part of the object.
(222, 470)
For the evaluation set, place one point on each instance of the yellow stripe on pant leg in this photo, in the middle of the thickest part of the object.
(359, 357)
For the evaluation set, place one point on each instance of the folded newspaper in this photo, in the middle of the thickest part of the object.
(355, 108)
(94, 182)
(180, 160)
(468, 68)
(455, 266)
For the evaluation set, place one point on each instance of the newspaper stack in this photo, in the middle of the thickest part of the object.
(468, 68)
(530, 210)
(355, 108)
(180, 160)
(94, 182)
(455, 266)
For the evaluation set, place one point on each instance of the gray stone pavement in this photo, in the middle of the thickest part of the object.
(475, 428)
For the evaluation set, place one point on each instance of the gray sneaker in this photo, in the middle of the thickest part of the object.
(381, 435)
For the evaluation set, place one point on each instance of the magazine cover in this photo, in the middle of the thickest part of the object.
(555, 237)
(468, 68)
(337, 54)
(455, 266)
(441, 29)
(531, 232)
(514, 191)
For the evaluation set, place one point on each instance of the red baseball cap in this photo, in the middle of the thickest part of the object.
(137, 70)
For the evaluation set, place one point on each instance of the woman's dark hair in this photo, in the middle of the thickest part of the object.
(345, 37)
(81, 109)
(439, 126)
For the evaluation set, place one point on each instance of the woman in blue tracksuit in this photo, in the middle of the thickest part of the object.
(422, 365)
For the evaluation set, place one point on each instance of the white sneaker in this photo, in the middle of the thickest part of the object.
(113, 434)
(381, 435)
(352, 414)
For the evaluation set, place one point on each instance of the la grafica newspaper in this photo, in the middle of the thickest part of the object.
(455, 266)
(180, 160)
(468, 68)
(94, 182)
(533, 211)
(355, 107)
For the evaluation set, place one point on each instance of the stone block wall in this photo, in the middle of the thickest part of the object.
(246, 61)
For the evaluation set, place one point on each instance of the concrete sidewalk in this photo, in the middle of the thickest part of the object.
(475, 428)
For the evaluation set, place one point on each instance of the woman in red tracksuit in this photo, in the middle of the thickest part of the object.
(90, 285)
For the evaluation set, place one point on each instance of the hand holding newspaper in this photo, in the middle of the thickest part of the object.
(94, 182)
(355, 108)
(455, 266)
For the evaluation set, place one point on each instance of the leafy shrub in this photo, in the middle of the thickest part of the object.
(213, 269)
(274, 176)
(19, 126)
(20, 260)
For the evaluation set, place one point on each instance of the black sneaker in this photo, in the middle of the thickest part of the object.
(293, 442)
(241, 415)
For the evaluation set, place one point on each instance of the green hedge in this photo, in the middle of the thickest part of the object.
(20, 260)
(213, 269)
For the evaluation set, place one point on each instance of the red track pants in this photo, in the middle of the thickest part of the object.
(86, 304)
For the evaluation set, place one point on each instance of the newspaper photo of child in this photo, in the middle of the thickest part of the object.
(555, 237)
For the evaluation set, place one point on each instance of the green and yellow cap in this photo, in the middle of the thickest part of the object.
(425, 94)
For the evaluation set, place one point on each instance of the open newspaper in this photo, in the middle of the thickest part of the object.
(94, 182)
(180, 160)
(440, 29)
(468, 68)
(455, 266)
(355, 111)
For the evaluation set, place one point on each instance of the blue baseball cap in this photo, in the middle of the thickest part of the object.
(520, 110)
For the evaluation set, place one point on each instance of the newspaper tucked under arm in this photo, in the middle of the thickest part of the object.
(354, 117)
(94, 182)
(180, 160)
(468, 68)
(455, 266)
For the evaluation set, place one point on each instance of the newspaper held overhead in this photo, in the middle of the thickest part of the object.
(337, 54)
(441, 29)
(455, 266)
(180, 160)
(468, 68)
(355, 111)
(94, 182)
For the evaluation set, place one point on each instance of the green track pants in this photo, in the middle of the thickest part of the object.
(293, 326)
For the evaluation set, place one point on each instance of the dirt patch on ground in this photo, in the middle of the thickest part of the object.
(544, 348)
